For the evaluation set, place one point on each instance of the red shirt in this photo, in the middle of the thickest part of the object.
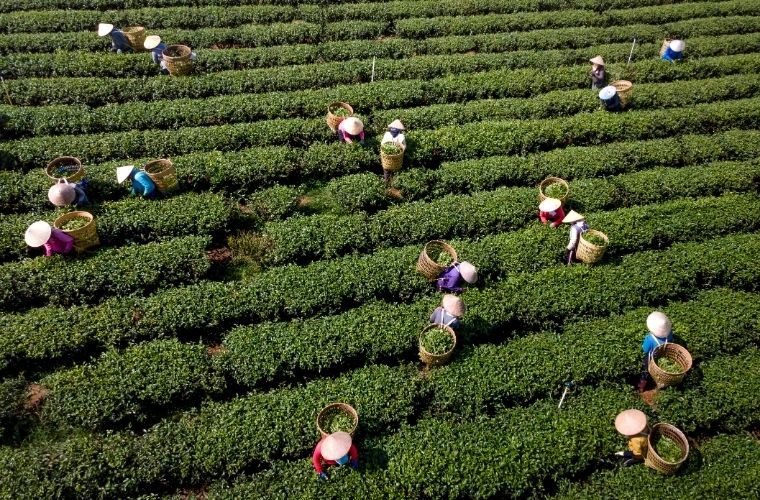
(545, 217)
(317, 458)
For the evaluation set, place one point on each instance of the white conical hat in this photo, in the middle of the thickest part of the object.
(659, 324)
(397, 124)
(123, 172)
(38, 233)
(549, 205)
(151, 42)
(631, 422)
(607, 92)
(336, 445)
(573, 216)
(468, 272)
(677, 45)
(353, 125)
(61, 194)
(597, 60)
(453, 305)
(104, 29)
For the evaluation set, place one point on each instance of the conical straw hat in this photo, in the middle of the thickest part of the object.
(104, 29)
(353, 125)
(61, 194)
(123, 172)
(38, 233)
(336, 445)
(677, 45)
(571, 217)
(549, 205)
(453, 305)
(468, 272)
(397, 124)
(659, 324)
(597, 60)
(631, 422)
(151, 42)
(607, 92)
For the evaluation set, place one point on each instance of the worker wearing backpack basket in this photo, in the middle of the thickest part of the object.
(660, 332)
(449, 312)
(634, 425)
(119, 42)
(156, 47)
(394, 135)
(142, 184)
(334, 449)
(450, 280)
(578, 226)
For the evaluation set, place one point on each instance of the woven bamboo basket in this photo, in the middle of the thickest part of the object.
(391, 163)
(654, 460)
(431, 359)
(589, 253)
(345, 408)
(553, 180)
(624, 91)
(85, 236)
(162, 173)
(675, 353)
(136, 37)
(428, 266)
(65, 164)
(333, 120)
(664, 46)
(177, 59)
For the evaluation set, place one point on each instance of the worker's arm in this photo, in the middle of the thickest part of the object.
(316, 459)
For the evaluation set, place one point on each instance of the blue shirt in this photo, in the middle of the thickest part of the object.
(651, 342)
(142, 184)
(441, 317)
(613, 103)
(157, 53)
(119, 41)
(671, 55)
(81, 195)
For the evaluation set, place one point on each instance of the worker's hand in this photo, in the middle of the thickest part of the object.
(118, 51)
(355, 464)
(554, 224)
(322, 476)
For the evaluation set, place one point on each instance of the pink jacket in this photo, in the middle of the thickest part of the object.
(317, 459)
(59, 242)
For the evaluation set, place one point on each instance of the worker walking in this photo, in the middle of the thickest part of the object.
(449, 312)
(66, 193)
(610, 98)
(334, 449)
(633, 424)
(142, 184)
(597, 72)
(351, 130)
(119, 41)
(674, 52)
(450, 280)
(550, 211)
(156, 47)
(660, 332)
(578, 226)
(54, 240)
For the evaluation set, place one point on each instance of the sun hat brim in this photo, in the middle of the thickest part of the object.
(104, 29)
(336, 445)
(631, 422)
(38, 233)
(549, 205)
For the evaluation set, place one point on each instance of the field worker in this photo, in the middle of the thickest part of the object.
(578, 226)
(610, 98)
(54, 240)
(597, 72)
(142, 184)
(395, 134)
(351, 129)
(451, 278)
(68, 193)
(119, 41)
(660, 332)
(550, 210)
(633, 425)
(449, 312)
(156, 47)
(674, 52)
(334, 449)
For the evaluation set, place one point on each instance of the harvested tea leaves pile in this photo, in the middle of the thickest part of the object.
(595, 240)
(437, 341)
(390, 149)
(669, 365)
(555, 190)
(76, 223)
(667, 449)
(338, 111)
(337, 421)
(443, 259)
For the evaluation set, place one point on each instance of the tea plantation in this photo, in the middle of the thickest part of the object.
(188, 355)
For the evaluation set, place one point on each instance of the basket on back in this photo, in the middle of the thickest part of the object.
(427, 263)
(654, 460)
(162, 173)
(136, 37)
(329, 410)
(65, 167)
(177, 59)
(676, 354)
(549, 181)
(665, 45)
(85, 236)
(588, 252)
(624, 91)
(334, 120)
(392, 162)
(437, 359)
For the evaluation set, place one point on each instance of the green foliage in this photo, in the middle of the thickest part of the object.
(275, 203)
(364, 191)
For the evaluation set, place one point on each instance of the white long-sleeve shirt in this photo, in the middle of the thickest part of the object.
(399, 140)
(576, 229)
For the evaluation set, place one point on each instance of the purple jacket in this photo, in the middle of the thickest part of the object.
(450, 280)
(59, 242)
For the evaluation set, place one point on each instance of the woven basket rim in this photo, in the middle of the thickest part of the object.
(657, 429)
(167, 163)
(339, 104)
(594, 232)
(553, 180)
(132, 29)
(184, 49)
(346, 408)
(665, 349)
(438, 326)
(61, 160)
(61, 219)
